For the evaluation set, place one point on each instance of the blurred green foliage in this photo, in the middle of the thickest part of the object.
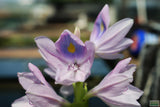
(16, 41)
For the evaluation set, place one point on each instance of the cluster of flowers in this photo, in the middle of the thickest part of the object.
(69, 63)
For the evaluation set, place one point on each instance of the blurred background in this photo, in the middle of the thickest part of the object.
(23, 20)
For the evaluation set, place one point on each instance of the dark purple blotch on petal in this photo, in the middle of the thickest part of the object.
(68, 41)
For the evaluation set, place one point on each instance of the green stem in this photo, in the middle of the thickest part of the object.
(87, 96)
(80, 91)
(81, 95)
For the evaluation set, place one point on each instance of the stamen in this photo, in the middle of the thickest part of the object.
(74, 67)
(71, 48)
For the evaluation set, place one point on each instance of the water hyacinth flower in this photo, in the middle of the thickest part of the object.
(115, 89)
(69, 63)
(110, 40)
(38, 92)
(69, 59)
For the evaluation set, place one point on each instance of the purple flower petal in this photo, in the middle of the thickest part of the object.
(79, 71)
(109, 41)
(46, 44)
(72, 59)
(123, 44)
(47, 48)
(123, 70)
(89, 53)
(37, 73)
(102, 20)
(113, 40)
(41, 96)
(22, 102)
(71, 75)
(38, 91)
(70, 46)
(127, 99)
(115, 88)
(53, 62)
(115, 33)
(26, 79)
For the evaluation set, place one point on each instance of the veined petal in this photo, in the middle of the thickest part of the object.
(70, 46)
(26, 79)
(112, 53)
(47, 48)
(37, 73)
(41, 96)
(69, 77)
(101, 24)
(123, 44)
(89, 56)
(72, 56)
(46, 44)
(127, 99)
(123, 69)
(79, 71)
(109, 41)
(22, 102)
(73, 73)
(53, 62)
(38, 91)
(115, 33)
(126, 42)
(115, 88)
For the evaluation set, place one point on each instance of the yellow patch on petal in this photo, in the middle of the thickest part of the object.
(102, 27)
(71, 48)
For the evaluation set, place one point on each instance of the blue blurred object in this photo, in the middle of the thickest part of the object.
(140, 38)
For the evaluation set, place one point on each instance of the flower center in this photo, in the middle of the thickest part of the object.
(71, 48)
(73, 67)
